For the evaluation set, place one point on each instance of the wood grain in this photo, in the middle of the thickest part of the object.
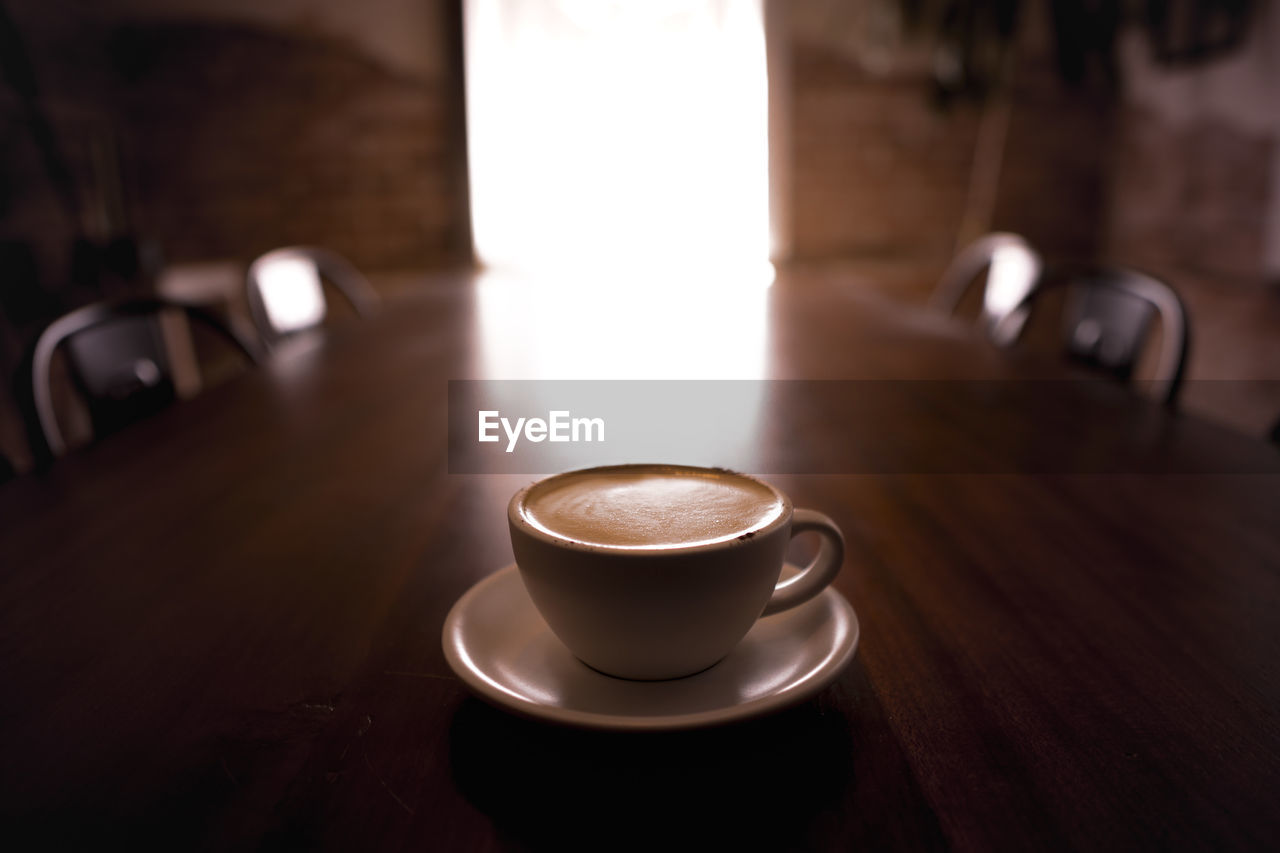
(220, 629)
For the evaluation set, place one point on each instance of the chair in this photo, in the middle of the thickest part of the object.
(1107, 321)
(1012, 269)
(118, 361)
(285, 293)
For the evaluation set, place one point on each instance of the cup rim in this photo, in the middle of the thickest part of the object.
(516, 517)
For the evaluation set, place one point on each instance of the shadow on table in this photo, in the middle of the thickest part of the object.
(754, 785)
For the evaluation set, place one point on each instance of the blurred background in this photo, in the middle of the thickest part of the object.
(174, 141)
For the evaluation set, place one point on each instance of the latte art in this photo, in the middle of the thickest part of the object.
(651, 507)
(652, 572)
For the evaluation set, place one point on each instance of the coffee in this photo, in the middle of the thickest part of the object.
(657, 571)
(647, 507)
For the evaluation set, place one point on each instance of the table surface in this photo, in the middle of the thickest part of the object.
(221, 628)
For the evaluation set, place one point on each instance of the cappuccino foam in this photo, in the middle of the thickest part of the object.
(656, 507)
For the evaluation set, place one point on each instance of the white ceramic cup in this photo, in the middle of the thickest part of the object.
(653, 613)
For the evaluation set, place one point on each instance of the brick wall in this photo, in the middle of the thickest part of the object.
(1053, 179)
(1189, 197)
(876, 170)
(236, 136)
(248, 139)
(882, 172)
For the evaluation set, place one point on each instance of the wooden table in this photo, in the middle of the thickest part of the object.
(221, 628)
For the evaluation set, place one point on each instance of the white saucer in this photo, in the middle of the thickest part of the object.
(497, 643)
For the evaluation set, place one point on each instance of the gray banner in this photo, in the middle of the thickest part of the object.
(839, 427)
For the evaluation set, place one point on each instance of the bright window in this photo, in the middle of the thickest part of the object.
(624, 140)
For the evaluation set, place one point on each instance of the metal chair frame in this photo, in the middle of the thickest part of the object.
(99, 314)
(332, 268)
(1175, 338)
(1003, 326)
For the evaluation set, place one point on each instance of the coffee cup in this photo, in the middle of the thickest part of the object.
(652, 572)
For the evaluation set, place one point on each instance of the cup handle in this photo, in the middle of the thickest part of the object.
(816, 576)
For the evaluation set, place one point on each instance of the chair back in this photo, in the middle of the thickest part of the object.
(118, 361)
(114, 359)
(1012, 270)
(285, 290)
(1107, 322)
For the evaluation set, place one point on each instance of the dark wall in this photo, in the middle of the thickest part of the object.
(248, 139)
(229, 136)
(890, 164)
(203, 130)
